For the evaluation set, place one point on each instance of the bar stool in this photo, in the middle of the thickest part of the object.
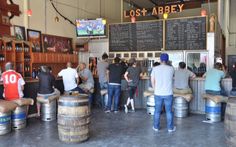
(6, 107)
(19, 115)
(149, 95)
(213, 107)
(48, 109)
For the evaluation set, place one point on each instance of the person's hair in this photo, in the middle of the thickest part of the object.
(104, 56)
(132, 61)
(182, 65)
(68, 64)
(84, 64)
(44, 69)
(156, 64)
(9, 66)
(117, 60)
(49, 68)
(218, 65)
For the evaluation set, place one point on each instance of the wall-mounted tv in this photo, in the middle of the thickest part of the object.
(90, 28)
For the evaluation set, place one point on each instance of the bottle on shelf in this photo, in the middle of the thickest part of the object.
(34, 73)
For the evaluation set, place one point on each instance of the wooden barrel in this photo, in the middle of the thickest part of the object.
(230, 122)
(19, 117)
(5, 123)
(180, 107)
(213, 111)
(73, 118)
(48, 112)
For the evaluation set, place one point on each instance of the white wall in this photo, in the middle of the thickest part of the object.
(43, 14)
(96, 49)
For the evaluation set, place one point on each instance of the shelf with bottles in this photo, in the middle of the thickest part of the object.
(19, 68)
(2, 57)
(18, 46)
(27, 58)
(27, 70)
(8, 46)
(27, 47)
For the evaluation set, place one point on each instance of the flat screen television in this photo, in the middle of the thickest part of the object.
(90, 28)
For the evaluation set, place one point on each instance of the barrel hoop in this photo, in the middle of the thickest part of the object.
(73, 104)
(5, 119)
(84, 97)
(21, 115)
(82, 117)
(212, 109)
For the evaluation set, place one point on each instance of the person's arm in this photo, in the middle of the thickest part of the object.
(126, 76)
(204, 75)
(192, 75)
(60, 74)
(107, 75)
(153, 81)
(22, 83)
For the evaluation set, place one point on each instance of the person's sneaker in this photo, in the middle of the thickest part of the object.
(107, 111)
(132, 110)
(156, 130)
(172, 130)
(126, 109)
(116, 112)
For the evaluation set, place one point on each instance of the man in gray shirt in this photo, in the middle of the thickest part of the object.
(161, 78)
(181, 78)
(102, 71)
(86, 77)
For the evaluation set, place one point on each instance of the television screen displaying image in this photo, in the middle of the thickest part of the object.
(90, 28)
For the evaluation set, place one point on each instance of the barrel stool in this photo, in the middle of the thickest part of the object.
(180, 107)
(149, 95)
(230, 122)
(19, 115)
(48, 109)
(150, 105)
(182, 97)
(5, 116)
(73, 118)
(213, 107)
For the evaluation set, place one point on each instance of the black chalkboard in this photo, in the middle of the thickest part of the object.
(140, 36)
(185, 34)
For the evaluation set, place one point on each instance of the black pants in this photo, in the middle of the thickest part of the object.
(132, 90)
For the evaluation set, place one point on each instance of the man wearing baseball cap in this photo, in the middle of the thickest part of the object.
(162, 78)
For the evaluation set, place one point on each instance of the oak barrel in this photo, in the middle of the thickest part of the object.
(5, 123)
(230, 122)
(73, 118)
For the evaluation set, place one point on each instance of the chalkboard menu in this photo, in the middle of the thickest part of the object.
(140, 36)
(185, 34)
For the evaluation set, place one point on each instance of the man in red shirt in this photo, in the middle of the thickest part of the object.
(13, 83)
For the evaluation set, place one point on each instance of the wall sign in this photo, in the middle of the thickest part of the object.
(157, 10)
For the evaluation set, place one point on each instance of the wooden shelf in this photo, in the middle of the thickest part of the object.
(25, 60)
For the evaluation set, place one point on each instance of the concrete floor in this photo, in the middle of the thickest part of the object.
(122, 130)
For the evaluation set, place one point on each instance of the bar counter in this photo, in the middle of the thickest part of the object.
(197, 104)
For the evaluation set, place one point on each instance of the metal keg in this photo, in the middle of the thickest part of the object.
(48, 111)
(180, 107)
(5, 123)
(150, 105)
(19, 117)
(213, 111)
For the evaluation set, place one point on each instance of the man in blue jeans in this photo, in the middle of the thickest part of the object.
(115, 72)
(161, 78)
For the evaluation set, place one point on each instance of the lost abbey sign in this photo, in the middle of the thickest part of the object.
(157, 10)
